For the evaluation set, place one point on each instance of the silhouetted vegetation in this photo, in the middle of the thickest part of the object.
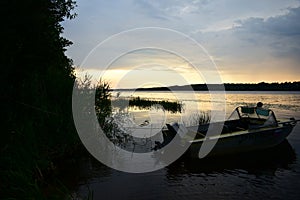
(146, 103)
(286, 86)
(36, 92)
(199, 119)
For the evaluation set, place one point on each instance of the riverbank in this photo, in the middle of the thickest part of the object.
(286, 86)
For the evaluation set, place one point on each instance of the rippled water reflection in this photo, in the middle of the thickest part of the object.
(268, 174)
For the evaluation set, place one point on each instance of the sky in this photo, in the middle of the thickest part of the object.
(140, 43)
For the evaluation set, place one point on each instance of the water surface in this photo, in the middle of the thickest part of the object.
(270, 174)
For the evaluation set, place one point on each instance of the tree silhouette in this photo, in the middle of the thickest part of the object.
(36, 88)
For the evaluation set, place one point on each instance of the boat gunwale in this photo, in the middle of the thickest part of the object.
(238, 133)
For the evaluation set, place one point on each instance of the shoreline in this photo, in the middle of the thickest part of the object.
(287, 86)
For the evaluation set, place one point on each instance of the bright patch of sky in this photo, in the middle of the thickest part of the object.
(249, 41)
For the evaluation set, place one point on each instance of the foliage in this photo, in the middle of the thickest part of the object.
(147, 103)
(37, 81)
(102, 102)
(286, 86)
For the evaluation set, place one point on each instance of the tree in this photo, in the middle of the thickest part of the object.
(37, 81)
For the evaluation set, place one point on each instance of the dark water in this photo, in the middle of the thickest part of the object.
(268, 174)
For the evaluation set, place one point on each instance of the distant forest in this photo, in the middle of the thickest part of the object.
(286, 86)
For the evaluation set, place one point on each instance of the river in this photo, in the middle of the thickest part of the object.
(270, 174)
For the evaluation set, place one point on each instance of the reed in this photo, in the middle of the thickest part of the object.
(143, 103)
(198, 118)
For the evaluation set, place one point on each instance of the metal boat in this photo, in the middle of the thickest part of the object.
(247, 129)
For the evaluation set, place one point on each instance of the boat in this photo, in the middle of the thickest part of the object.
(247, 129)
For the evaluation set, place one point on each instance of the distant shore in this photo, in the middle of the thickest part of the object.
(286, 86)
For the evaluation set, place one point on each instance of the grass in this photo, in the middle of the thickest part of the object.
(33, 142)
(171, 106)
(198, 118)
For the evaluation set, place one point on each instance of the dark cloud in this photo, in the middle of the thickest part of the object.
(281, 33)
(267, 33)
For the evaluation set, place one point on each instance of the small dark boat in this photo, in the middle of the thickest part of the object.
(247, 129)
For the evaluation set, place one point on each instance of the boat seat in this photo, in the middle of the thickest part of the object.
(247, 110)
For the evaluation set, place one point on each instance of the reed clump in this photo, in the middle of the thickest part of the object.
(146, 103)
(198, 118)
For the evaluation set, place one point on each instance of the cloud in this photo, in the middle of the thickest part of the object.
(151, 10)
(282, 25)
(242, 36)
(280, 34)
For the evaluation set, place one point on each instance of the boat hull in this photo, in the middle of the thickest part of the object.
(242, 142)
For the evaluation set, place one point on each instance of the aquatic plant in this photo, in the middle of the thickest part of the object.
(198, 118)
(144, 103)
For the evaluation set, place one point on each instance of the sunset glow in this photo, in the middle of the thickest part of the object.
(249, 42)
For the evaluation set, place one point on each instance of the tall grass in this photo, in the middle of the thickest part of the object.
(143, 103)
(31, 148)
(198, 118)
